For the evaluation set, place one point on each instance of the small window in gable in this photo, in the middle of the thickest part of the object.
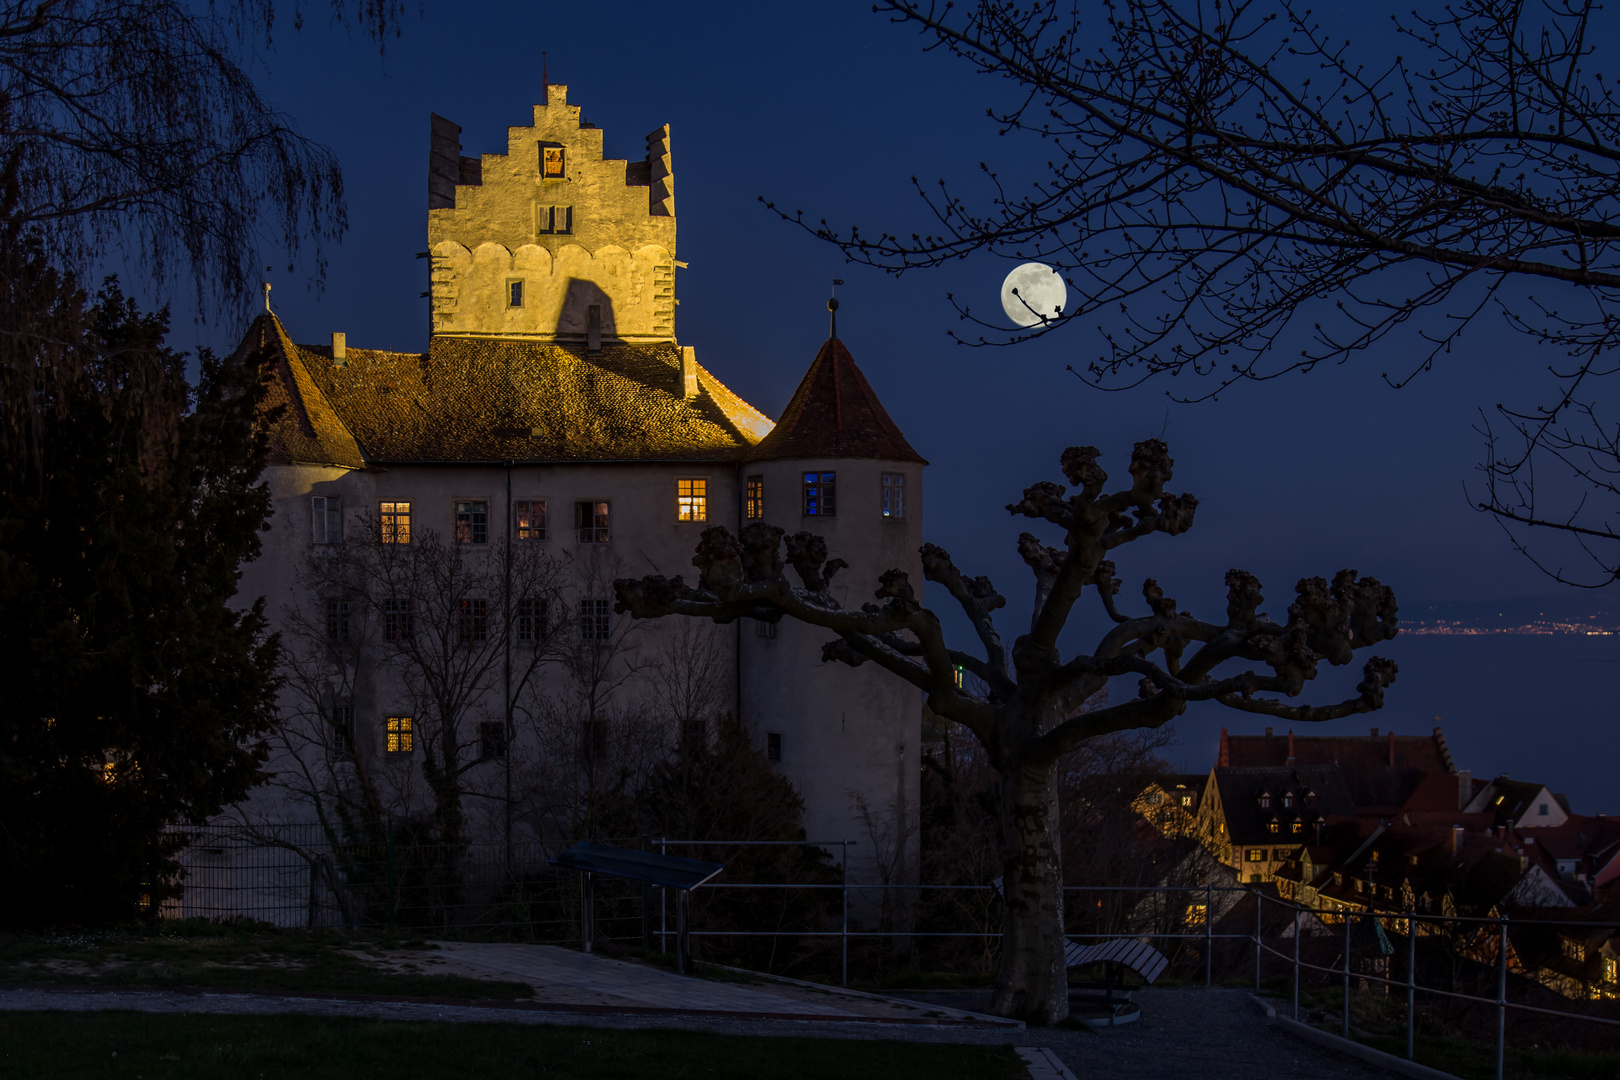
(552, 162)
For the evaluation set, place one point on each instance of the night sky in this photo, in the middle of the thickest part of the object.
(831, 110)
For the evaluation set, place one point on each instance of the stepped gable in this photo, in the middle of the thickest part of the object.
(309, 430)
(490, 400)
(834, 414)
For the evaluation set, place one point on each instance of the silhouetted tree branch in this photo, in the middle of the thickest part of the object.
(1028, 710)
(1232, 192)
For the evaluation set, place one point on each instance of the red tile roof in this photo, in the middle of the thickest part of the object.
(834, 414)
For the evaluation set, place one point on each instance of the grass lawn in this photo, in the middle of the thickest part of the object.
(162, 1046)
(245, 956)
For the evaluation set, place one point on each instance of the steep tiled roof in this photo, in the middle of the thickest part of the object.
(834, 414)
(496, 400)
(1247, 822)
(309, 431)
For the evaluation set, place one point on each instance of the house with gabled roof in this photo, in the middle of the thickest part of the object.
(555, 406)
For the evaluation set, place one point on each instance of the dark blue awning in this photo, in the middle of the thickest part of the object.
(649, 867)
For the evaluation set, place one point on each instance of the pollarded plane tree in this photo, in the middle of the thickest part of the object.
(1028, 713)
(1235, 189)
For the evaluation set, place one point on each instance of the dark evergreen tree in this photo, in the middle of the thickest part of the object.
(133, 692)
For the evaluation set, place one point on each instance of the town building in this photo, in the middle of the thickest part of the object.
(556, 408)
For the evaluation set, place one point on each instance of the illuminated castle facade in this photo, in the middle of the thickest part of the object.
(556, 406)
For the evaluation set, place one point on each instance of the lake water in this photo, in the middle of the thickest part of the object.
(1542, 708)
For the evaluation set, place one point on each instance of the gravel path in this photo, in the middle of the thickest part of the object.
(1182, 1033)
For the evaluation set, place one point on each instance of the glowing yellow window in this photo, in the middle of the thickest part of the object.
(399, 734)
(692, 500)
(396, 522)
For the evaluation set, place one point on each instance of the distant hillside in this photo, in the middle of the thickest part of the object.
(1568, 613)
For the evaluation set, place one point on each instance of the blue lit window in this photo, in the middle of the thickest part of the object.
(820, 494)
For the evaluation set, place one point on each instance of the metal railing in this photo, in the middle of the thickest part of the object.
(293, 875)
(1489, 946)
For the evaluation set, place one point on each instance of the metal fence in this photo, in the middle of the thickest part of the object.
(385, 879)
(1453, 948)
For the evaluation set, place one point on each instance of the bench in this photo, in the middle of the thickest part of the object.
(646, 867)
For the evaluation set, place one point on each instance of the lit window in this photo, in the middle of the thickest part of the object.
(337, 621)
(491, 741)
(472, 624)
(531, 620)
(399, 620)
(326, 519)
(1255, 854)
(595, 620)
(396, 522)
(754, 504)
(472, 522)
(529, 519)
(894, 495)
(400, 739)
(773, 746)
(692, 500)
(765, 629)
(820, 494)
(514, 294)
(591, 522)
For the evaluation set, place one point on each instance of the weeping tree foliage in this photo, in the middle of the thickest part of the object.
(133, 693)
(1025, 704)
(1233, 192)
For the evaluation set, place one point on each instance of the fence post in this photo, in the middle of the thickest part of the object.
(1411, 986)
(1296, 960)
(1501, 999)
(1259, 901)
(843, 892)
(1209, 932)
(1347, 917)
(393, 881)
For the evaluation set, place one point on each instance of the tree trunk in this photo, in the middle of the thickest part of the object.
(1033, 980)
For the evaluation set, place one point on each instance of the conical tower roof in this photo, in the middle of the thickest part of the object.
(308, 431)
(834, 414)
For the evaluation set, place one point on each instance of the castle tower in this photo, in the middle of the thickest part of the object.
(550, 241)
(837, 465)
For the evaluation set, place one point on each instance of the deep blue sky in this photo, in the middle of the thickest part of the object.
(830, 109)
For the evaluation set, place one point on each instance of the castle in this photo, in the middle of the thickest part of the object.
(556, 410)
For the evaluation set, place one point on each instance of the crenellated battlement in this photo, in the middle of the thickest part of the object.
(550, 240)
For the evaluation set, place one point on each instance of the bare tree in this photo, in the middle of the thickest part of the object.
(456, 625)
(133, 126)
(1231, 191)
(593, 736)
(1030, 714)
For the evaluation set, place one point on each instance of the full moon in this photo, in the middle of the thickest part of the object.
(1040, 291)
